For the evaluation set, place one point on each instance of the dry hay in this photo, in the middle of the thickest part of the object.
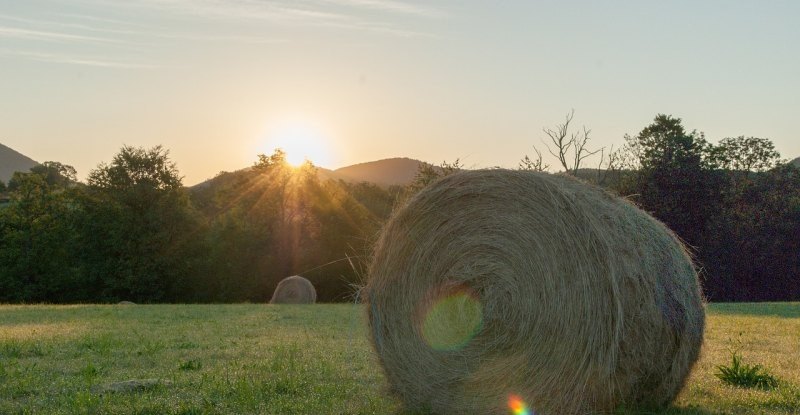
(494, 290)
(294, 290)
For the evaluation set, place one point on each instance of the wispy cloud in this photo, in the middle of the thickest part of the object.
(20, 33)
(97, 19)
(341, 14)
(143, 32)
(390, 6)
(75, 60)
(66, 25)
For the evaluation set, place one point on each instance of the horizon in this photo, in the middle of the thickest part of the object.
(354, 81)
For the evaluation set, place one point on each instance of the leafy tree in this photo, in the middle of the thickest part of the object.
(37, 240)
(275, 160)
(139, 228)
(752, 244)
(675, 180)
(56, 174)
(2, 187)
(746, 154)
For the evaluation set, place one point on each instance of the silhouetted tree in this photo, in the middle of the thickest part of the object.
(140, 229)
(38, 239)
(674, 179)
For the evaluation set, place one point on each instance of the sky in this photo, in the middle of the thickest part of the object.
(346, 81)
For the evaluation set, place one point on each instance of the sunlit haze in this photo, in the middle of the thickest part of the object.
(348, 81)
(301, 140)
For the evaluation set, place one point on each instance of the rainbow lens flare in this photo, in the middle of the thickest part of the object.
(452, 321)
(518, 406)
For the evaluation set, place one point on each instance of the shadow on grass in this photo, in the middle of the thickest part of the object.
(667, 411)
(672, 411)
(784, 310)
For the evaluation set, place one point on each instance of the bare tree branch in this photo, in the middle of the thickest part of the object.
(533, 165)
(573, 147)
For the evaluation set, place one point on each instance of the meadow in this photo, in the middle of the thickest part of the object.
(267, 359)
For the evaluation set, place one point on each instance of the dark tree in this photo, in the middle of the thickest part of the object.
(139, 230)
(675, 182)
(746, 154)
(38, 240)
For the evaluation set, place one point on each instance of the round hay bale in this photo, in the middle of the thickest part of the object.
(493, 290)
(294, 290)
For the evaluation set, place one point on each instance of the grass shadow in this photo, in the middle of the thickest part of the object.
(783, 310)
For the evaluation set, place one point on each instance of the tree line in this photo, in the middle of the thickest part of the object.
(134, 232)
(735, 204)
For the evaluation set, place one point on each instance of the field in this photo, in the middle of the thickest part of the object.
(253, 358)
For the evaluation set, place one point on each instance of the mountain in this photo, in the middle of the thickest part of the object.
(795, 162)
(11, 161)
(386, 172)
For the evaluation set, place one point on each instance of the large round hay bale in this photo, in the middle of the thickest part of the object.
(494, 290)
(294, 290)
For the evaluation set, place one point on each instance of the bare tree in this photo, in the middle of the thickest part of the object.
(533, 164)
(569, 148)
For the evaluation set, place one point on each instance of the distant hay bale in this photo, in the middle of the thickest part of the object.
(294, 290)
(494, 290)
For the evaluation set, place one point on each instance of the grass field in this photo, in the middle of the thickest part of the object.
(253, 358)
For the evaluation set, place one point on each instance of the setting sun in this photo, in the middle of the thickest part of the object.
(301, 140)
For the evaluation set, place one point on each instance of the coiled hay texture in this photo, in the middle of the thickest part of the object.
(493, 290)
(294, 290)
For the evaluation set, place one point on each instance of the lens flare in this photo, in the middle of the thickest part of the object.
(452, 320)
(518, 406)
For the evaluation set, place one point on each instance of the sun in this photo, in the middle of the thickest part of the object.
(301, 140)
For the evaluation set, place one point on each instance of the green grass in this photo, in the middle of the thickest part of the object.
(300, 359)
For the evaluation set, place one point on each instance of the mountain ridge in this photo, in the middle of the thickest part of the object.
(395, 171)
(12, 161)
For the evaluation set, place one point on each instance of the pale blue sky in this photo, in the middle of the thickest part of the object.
(218, 81)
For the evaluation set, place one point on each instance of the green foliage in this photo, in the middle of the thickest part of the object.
(56, 174)
(139, 231)
(746, 154)
(136, 168)
(38, 238)
(744, 375)
(273, 221)
(673, 179)
(748, 240)
(276, 160)
(734, 203)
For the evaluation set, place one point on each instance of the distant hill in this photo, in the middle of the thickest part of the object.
(386, 172)
(795, 162)
(11, 161)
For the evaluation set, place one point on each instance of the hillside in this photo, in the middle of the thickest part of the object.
(11, 161)
(795, 162)
(387, 172)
